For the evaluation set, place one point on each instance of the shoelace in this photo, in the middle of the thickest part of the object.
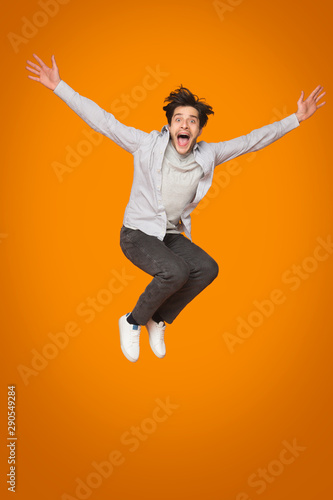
(160, 332)
(135, 336)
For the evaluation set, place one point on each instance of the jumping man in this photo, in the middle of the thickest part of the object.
(172, 173)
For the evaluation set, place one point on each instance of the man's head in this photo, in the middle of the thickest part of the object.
(186, 115)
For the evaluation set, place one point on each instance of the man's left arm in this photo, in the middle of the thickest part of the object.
(262, 137)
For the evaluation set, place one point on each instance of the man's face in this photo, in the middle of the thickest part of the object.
(184, 129)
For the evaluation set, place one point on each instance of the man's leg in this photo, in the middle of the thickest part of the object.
(169, 269)
(203, 270)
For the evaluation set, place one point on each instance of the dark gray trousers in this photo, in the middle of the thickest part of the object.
(180, 270)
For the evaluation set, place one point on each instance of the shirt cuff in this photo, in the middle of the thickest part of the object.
(290, 122)
(64, 91)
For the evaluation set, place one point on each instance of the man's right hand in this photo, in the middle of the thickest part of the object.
(45, 75)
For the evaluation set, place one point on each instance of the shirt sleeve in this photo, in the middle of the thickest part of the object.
(255, 140)
(128, 138)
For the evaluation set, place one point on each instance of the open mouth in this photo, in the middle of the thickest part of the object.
(183, 139)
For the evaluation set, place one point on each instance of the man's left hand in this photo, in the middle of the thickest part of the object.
(309, 106)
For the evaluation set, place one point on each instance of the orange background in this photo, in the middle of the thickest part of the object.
(233, 411)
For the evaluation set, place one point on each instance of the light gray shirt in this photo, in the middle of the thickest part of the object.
(145, 209)
(180, 179)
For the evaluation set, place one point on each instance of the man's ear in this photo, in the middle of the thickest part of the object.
(200, 130)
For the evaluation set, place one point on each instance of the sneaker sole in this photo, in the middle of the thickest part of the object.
(127, 355)
(155, 352)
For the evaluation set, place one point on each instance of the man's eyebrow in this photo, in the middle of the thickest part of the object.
(181, 114)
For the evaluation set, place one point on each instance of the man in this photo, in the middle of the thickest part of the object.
(172, 173)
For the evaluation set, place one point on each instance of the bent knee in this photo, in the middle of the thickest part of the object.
(177, 274)
(216, 270)
(210, 270)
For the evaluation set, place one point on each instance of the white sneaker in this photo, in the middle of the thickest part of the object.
(129, 339)
(156, 337)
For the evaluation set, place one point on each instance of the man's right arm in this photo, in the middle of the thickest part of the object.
(97, 118)
(129, 138)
